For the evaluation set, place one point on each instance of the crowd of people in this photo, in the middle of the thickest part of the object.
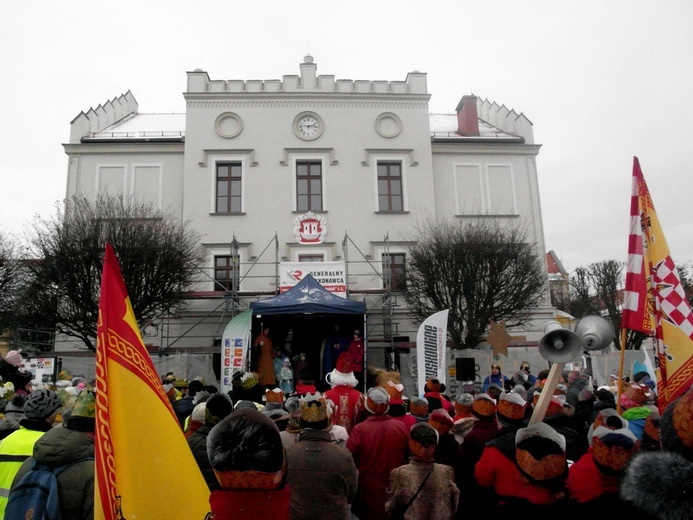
(268, 451)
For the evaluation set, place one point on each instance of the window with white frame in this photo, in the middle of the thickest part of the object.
(229, 187)
(484, 189)
(110, 181)
(311, 258)
(146, 185)
(309, 186)
(226, 275)
(390, 193)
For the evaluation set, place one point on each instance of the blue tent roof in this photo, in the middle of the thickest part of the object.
(307, 297)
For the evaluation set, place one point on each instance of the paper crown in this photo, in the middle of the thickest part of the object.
(345, 363)
(511, 407)
(484, 406)
(635, 395)
(394, 390)
(540, 452)
(274, 396)
(442, 417)
(612, 449)
(651, 429)
(418, 406)
(463, 404)
(314, 408)
(681, 414)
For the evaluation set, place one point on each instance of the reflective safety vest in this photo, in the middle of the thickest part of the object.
(14, 449)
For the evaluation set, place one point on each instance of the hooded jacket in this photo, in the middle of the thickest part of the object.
(61, 446)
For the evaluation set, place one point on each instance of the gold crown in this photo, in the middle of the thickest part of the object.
(313, 408)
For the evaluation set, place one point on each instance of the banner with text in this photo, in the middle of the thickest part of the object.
(235, 342)
(331, 275)
(430, 349)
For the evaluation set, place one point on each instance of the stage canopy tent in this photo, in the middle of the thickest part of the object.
(307, 297)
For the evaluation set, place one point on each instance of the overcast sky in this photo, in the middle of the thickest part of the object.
(602, 81)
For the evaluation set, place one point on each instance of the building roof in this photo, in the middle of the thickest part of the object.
(445, 126)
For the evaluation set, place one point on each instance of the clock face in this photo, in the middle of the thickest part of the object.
(308, 126)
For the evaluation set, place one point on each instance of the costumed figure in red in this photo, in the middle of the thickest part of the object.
(348, 401)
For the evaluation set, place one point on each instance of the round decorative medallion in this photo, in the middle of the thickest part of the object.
(308, 126)
(228, 125)
(388, 125)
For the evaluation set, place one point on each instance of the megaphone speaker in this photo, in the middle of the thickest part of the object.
(594, 332)
(559, 345)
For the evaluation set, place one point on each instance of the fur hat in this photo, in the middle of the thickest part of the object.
(612, 449)
(511, 409)
(14, 357)
(676, 426)
(540, 454)
(418, 406)
(377, 400)
(83, 414)
(245, 451)
(484, 406)
(41, 404)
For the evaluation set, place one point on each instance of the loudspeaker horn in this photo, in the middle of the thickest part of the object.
(594, 332)
(559, 345)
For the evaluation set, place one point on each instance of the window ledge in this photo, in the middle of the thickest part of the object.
(301, 212)
(392, 212)
(488, 215)
(218, 214)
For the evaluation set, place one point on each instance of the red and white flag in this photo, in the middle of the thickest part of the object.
(654, 300)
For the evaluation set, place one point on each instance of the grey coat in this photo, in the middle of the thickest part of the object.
(60, 446)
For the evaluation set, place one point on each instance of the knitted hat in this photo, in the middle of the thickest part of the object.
(314, 411)
(15, 406)
(676, 426)
(511, 409)
(82, 417)
(394, 390)
(41, 404)
(377, 400)
(484, 406)
(245, 451)
(14, 357)
(218, 406)
(418, 406)
(540, 453)
(612, 449)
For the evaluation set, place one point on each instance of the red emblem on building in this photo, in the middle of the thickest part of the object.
(310, 228)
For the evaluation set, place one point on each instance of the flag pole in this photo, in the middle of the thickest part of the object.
(620, 371)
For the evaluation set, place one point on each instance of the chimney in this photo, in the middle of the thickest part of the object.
(467, 116)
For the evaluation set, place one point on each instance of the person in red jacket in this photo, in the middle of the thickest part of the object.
(356, 350)
(379, 444)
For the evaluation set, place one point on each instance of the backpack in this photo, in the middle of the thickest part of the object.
(36, 494)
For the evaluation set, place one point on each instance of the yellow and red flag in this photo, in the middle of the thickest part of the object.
(144, 467)
(654, 300)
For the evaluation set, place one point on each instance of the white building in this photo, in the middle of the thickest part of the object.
(309, 168)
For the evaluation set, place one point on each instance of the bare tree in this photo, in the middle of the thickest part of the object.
(10, 279)
(480, 271)
(157, 255)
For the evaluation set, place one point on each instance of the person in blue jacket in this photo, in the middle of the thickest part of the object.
(494, 378)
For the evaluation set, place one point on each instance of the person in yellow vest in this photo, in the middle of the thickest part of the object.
(41, 408)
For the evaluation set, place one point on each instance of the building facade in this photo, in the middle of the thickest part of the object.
(309, 169)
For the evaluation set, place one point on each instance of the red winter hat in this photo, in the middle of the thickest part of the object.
(345, 363)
